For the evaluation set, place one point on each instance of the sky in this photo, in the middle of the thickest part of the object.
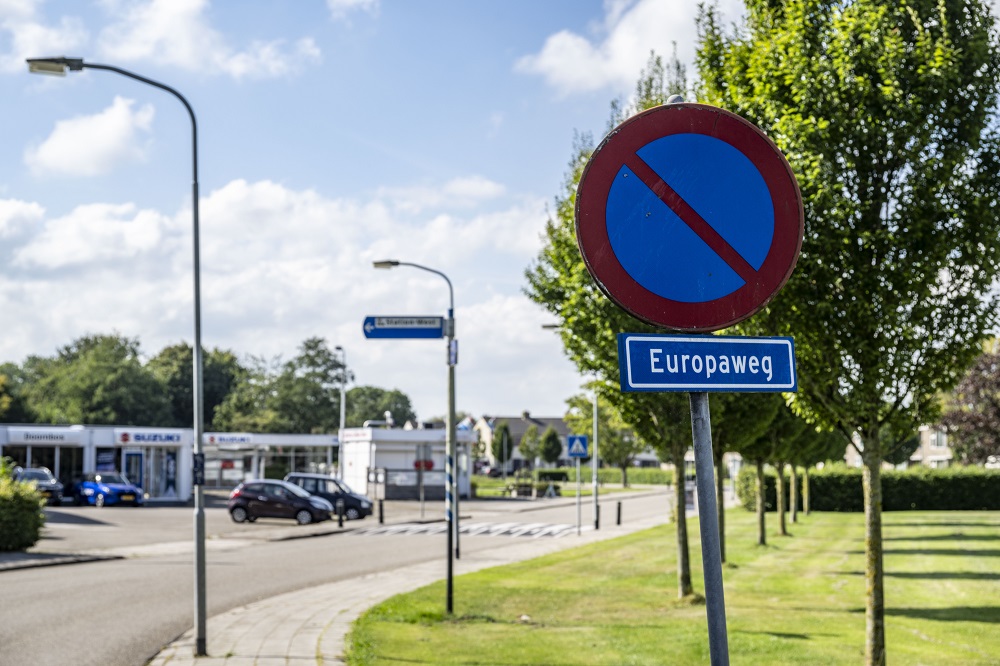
(330, 134)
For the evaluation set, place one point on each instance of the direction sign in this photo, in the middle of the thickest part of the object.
(404, 327)
(576, 446)
(650, 362)
(689, 217)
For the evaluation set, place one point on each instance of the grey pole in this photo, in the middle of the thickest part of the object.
(343, 403)
(593, 466)
(451, 487)
(711, 557)
(578, 497)
(59, 66)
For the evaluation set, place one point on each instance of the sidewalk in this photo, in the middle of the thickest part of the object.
(309, 626)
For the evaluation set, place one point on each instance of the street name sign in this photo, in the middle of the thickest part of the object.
(576, 446)
(689, 217)
(705, 363)
(404, 327)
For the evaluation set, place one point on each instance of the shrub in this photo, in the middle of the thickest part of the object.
(545, 475)
(21, 516)
(643, 476)
(839, 488)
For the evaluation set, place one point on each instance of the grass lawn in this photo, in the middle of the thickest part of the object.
(799, 600)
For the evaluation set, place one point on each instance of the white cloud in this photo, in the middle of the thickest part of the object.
(612, 57)
(93, 145)
(279, 265)
(176, 32)
(341, 9)
(457, 193)
(28, 37)
(17, 216)
(95, 235)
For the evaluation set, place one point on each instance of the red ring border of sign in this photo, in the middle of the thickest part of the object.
(591, 217)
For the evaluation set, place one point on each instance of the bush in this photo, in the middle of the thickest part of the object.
(546, 475)
(839, 488)
(21, 516)
(643, 476)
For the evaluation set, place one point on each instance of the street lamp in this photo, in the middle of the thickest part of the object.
(58, 67)
(451, 486)
(593, 452)
(343, 402)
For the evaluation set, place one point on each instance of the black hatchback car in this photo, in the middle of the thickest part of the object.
(47, 484)
(355, 506)
(270, 498)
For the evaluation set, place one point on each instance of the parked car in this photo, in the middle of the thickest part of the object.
(270, 498)
(333, 490)
(48, 485)
(107, 489)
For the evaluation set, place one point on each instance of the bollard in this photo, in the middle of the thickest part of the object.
(381, 513)
(340, 513)
(597, 517)
(619, 514)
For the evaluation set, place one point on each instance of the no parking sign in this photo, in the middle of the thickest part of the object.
(689, 217)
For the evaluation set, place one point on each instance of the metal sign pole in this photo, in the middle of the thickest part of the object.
(711, 554)
(578, 497)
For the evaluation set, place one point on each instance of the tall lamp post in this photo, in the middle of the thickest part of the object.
(343, 403)
(593, 450)
(58, 67)
(451, 485)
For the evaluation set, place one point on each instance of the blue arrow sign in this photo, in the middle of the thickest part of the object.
(649, 362)
(576, 446)
(404, 327)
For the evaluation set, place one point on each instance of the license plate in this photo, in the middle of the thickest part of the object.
(126, 498)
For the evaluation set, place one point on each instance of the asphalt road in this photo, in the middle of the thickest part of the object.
(123, 611)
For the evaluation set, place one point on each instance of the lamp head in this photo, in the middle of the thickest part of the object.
(54, 66)
(385, 263)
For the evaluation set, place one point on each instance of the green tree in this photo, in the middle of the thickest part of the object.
(551, 446)
(738, 419)
(502, 447)
(248, 407)
(306, 393)
(588, 321)
(15, 381)
(530, 445)
(95, 380)
(972, 412)
(618, 445)
(366, 403)
(886, 114)
(174, 368)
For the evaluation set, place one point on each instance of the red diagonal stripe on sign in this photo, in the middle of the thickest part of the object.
(690, 217)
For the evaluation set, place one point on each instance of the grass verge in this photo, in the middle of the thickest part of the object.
(799, 600)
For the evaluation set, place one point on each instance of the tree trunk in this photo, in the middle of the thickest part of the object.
(684, 587)
(720, 500)
(793, 498)
(874, 572)
(782, 529)
(761, 533)
(624, 469)
(805, 490)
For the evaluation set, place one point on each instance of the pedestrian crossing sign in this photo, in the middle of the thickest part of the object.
(577, 446)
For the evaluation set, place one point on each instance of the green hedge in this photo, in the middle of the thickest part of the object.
(838, 488)
(644, 476)
(21, 516)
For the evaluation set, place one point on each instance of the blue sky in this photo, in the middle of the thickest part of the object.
(331, 134)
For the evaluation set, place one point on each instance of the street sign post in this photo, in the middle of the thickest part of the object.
(429, 327)
(706, 363)
(690, 218)
(576, 447)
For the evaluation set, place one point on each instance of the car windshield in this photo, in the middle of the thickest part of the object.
(297, 490)
(111, 477)
(344, 488)
(35, 475)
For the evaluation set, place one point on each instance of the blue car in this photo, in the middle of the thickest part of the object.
(107, 489)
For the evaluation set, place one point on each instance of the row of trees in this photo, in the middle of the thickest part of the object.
(104, 379)
(887, 115)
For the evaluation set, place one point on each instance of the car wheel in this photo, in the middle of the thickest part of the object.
(239, 514)
(252, 519)
(352, 514)
(99, 500)
(304, 517)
